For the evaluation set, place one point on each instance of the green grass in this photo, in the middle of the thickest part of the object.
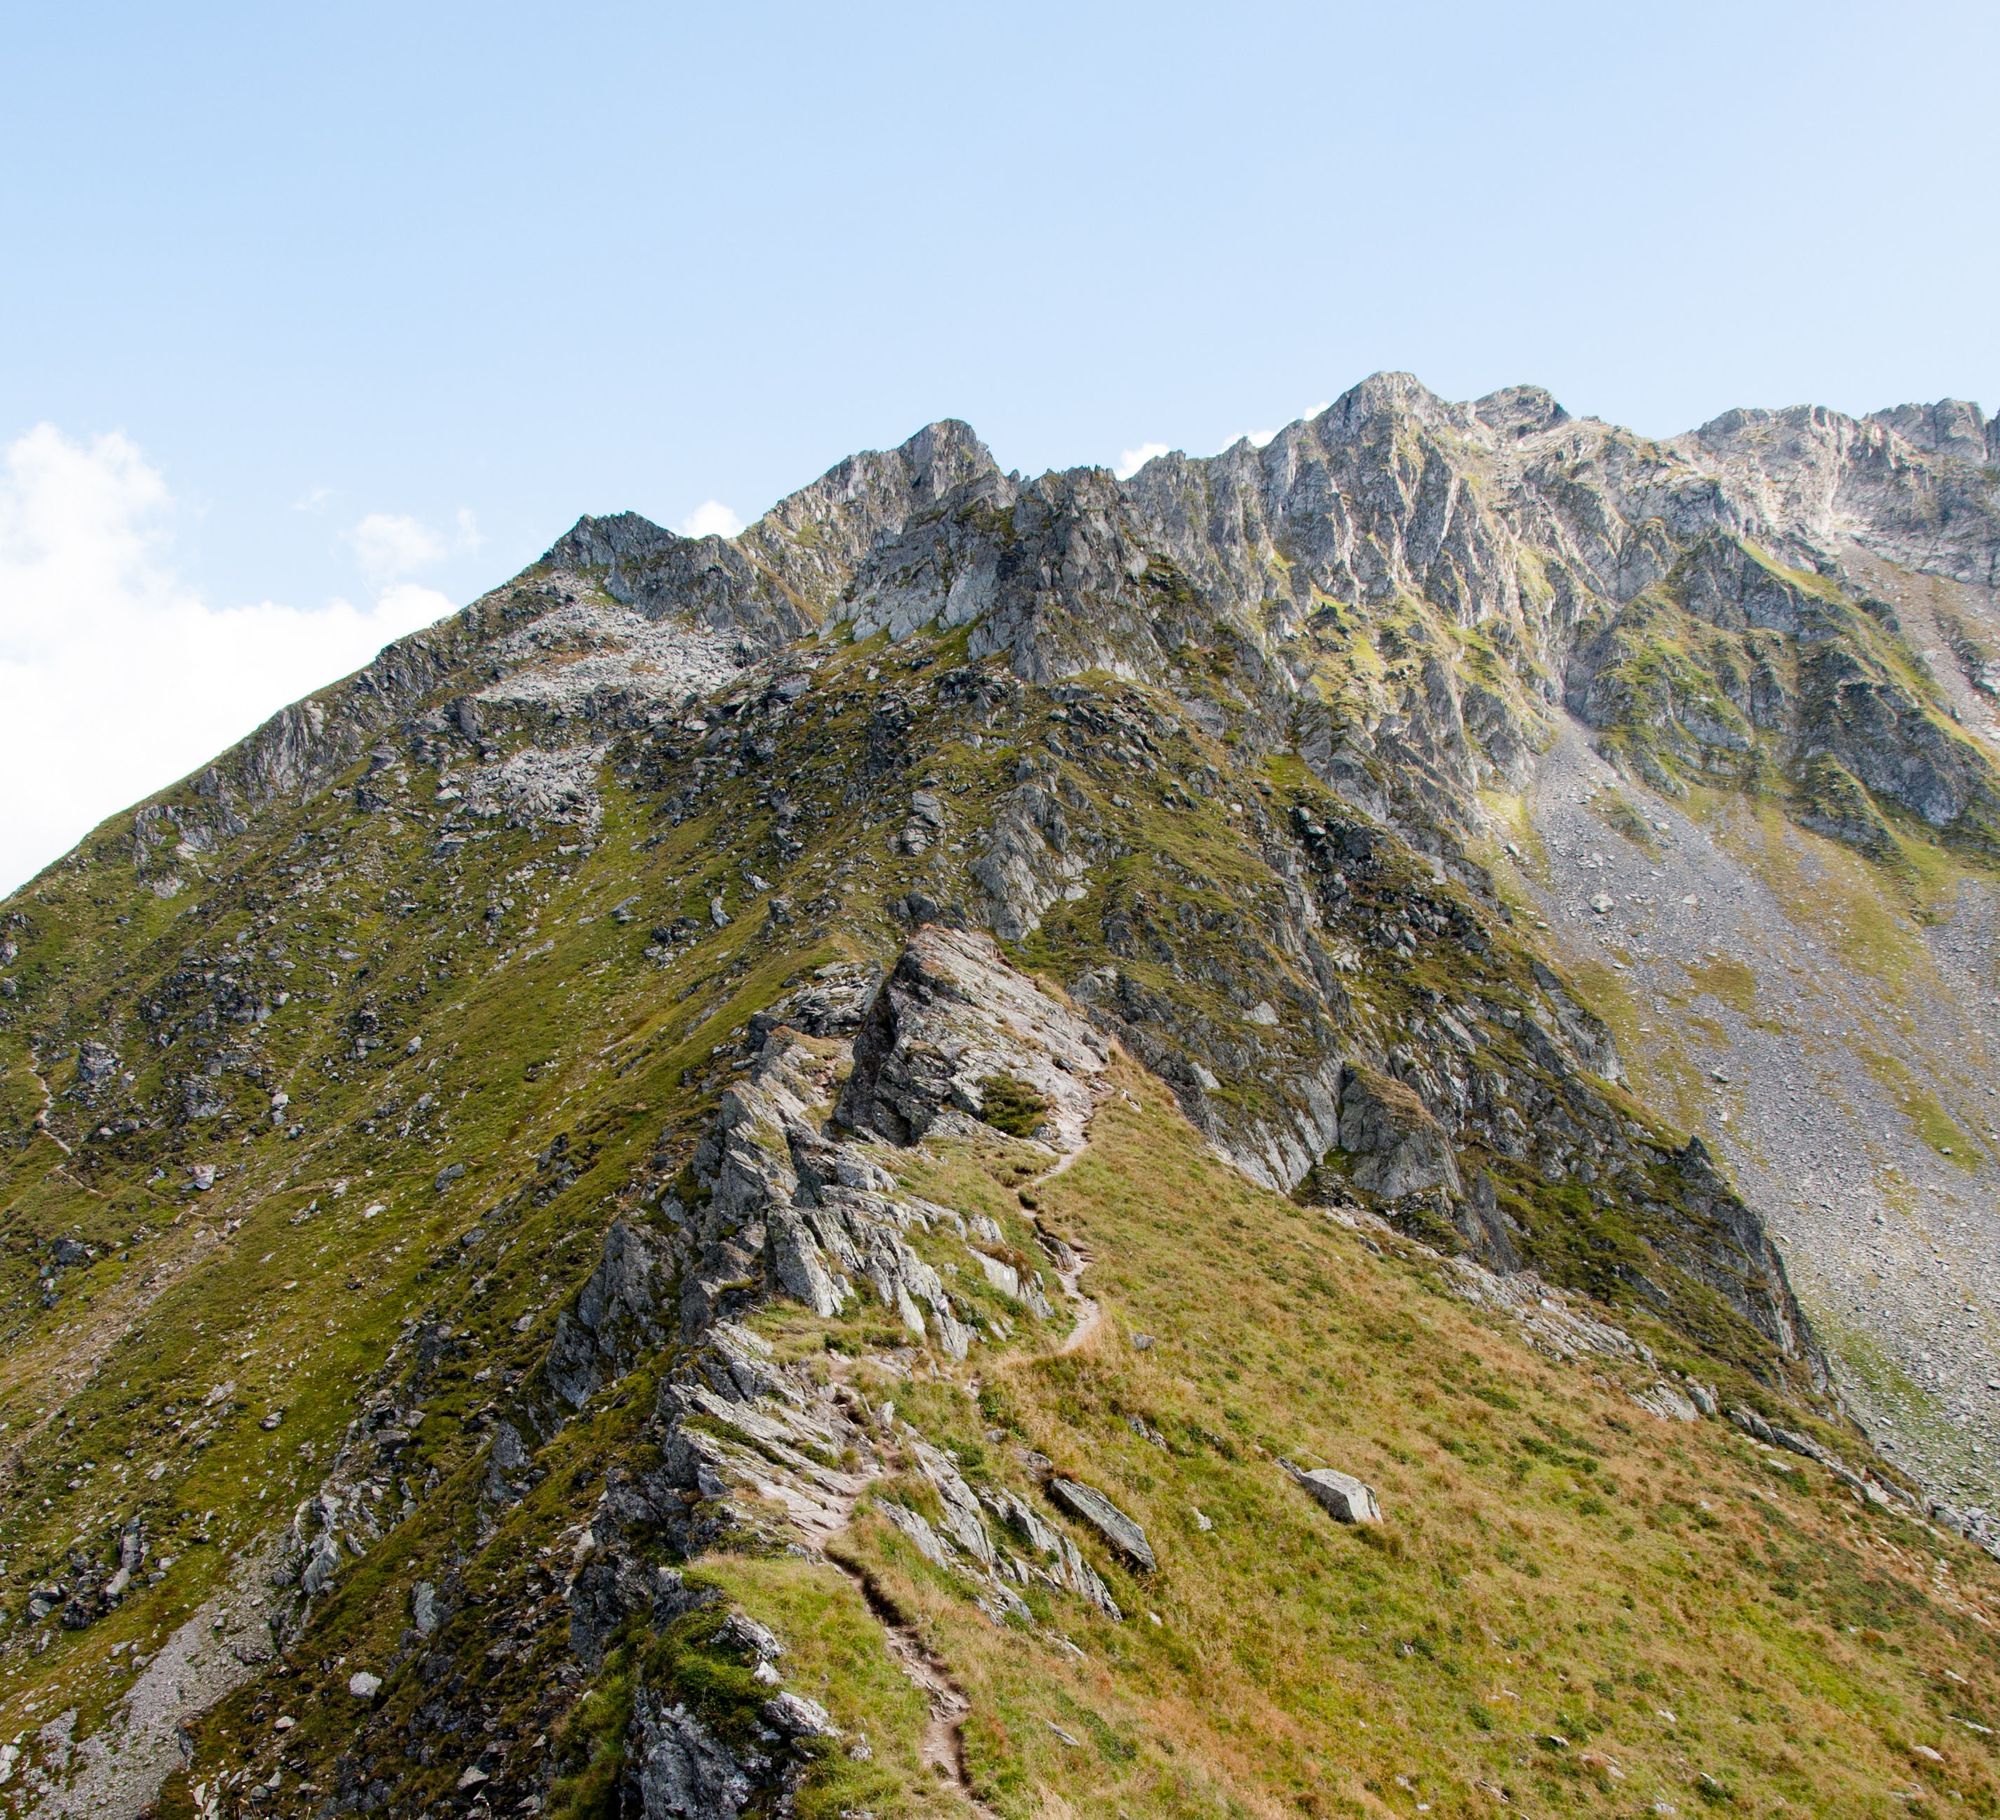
(1011, 1106)
(1925, 1112)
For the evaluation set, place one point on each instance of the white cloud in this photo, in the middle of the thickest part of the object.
(1132, 460)
(387, 546)
(116, 675)
(710, 519)
(391, 545)
(313, 499)
(1258, 438)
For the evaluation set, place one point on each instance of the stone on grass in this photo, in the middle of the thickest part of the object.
(798, 1717)
(1091, 1506)
(1342, 1496)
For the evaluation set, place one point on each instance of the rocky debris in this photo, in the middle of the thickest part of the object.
(1755, 1426)
(1344, 1498)
(364, 1686)
(1062, 1562)
(832, 1004)
(953, 1016)
(1089, 1505)
(588, 649)
(1550, 1317)
(1884, 1233)
(536, 787)
(220, 1646)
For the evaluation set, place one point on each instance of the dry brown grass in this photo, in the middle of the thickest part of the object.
(1555, 1562)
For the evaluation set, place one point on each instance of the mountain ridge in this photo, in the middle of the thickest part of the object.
(502, 1133)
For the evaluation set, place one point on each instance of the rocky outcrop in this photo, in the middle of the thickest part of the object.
(953, 1019)
(1396, 1147)
(682, 1770)
(1089, 1505)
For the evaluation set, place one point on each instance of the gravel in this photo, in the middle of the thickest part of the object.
(1894, 1249)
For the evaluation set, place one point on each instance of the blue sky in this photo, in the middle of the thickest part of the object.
(314, 320)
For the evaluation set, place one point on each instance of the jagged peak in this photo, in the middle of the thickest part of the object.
(597, 542)
(918, 472)
(1389, 395)
(1520, 410)
(1951, 426)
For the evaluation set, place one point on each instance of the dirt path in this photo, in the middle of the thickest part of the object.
(1070, 1262)
(944, 1735)
(41, 1121)
(1070, 1265)
(943, 1746)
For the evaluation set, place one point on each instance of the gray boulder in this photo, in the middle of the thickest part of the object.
(797, 1717)
(1091, 1506)
(1343, 1497)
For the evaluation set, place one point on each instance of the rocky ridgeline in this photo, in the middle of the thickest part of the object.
(793, 1198)
(1394, 522)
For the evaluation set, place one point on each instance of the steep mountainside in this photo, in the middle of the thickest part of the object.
(1052, 1146)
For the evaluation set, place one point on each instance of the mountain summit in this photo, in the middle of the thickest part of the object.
(1310, 1133)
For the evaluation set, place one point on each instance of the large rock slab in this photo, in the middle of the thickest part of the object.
(1089, 1505)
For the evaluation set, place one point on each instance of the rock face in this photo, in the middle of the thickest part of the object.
(1400, 1149)
(952, 1019)
(684, 1771)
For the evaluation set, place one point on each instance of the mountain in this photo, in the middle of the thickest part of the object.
(1309, 1133)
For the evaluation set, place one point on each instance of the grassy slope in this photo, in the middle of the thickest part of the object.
(1555, 1562)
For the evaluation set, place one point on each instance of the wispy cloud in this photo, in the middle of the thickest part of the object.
(710, 519)
(1132, 460)
(116, 674)
(390, 546)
